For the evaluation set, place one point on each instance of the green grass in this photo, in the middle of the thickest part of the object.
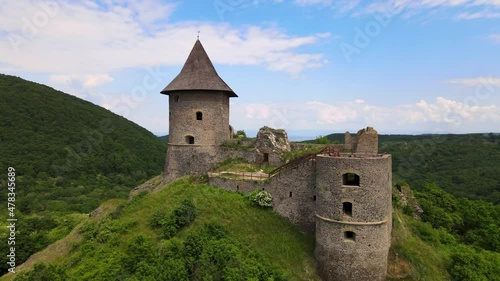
(306, 149)
(105, 240)
(410, 257)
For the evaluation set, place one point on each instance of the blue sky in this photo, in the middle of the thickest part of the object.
(309, 66)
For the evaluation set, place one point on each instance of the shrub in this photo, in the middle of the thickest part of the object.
(322, 140)
(240, 134)
(43, 272)
(261, 198)
(408, 210)
(179, 218)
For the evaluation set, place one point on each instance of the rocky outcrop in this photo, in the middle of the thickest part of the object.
(270, 144)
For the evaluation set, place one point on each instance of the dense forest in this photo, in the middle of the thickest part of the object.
(464, 234)
(62, 146)
(69, 156)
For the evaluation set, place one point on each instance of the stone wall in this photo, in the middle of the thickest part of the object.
(182, 160)
(367, 141)
(294, 195)
(349, 141)
(243, 186)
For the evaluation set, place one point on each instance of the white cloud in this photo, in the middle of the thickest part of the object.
(469, 9)
(87, 39)
(87, 80)
(422, 116)
(495, 38)
(478, 15)
(313, 2)
(478, 81)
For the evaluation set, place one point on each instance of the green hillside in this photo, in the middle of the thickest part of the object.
(464, 165)
(227, 237)
(164, 138)
(222, 236)
(69, 154)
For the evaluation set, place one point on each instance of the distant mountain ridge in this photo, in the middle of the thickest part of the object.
(164, 138)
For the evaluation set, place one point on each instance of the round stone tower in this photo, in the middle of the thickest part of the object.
(198, 116)
(353, 216)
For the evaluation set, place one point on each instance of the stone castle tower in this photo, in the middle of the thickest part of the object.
(344, 199)
(353, 216)
(198, 116)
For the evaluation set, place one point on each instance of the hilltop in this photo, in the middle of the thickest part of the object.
(70, 154)
(241, 239)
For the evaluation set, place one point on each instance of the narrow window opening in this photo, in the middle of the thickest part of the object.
(349, 235)
(189, 139)
(290, 195)
(199, 115)
(237, 188)
(347, 208)
(176, 98)
(350, 179)
(266, 157)
(314, 197)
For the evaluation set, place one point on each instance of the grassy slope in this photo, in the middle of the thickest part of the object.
(410, 258)
(269, 234)
(262, 230)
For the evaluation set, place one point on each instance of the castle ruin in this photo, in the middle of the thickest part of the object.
(342, 194)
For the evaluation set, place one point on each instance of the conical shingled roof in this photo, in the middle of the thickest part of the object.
(198, 73)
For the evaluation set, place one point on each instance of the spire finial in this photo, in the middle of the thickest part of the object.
(198, 35)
